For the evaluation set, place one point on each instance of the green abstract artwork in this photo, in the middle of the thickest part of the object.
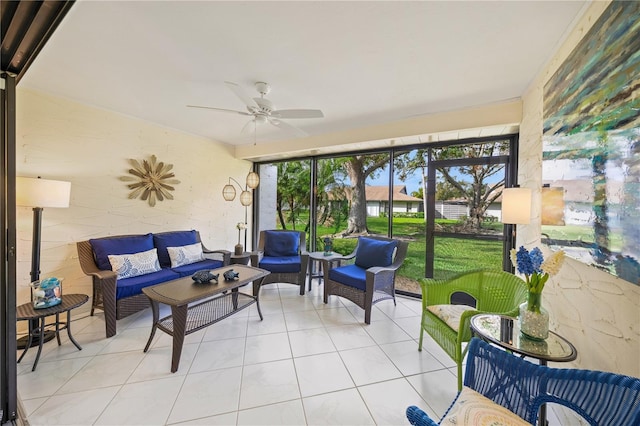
(591, 145)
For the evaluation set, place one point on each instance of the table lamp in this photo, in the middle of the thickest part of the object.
(39, 193)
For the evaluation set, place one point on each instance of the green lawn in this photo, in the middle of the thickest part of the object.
(452, 255)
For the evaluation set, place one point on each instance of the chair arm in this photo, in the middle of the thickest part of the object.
(226, 254)
(256, 257)
(417, 417)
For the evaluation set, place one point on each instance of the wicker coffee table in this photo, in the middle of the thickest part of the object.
(210, 303)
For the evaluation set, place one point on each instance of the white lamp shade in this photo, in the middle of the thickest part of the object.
(35, 192)
(516, 206)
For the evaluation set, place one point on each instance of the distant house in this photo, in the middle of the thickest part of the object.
(378, 200)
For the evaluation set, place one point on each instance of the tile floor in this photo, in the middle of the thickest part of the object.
(305, 363)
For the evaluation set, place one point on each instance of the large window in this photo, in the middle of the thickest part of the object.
(443, 199)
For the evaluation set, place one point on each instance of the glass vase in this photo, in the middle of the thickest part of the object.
(534, 319)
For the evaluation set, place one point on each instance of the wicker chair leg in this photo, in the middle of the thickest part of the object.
(421, 335)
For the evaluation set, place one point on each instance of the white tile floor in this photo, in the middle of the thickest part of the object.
(305, 363)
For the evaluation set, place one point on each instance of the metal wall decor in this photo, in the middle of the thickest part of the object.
(152, 180)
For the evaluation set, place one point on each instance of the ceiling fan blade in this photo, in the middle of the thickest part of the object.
(244, 97)
(219, 109)
(288, 127)
(248, 128)
(297, 113)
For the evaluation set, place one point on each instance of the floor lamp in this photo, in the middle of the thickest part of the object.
(39, 193)
(246, 197)
(516, 210)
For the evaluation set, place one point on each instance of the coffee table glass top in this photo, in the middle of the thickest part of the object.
(185, 290)
(505, 332)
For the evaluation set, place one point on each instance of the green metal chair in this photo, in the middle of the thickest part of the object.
(494, 292)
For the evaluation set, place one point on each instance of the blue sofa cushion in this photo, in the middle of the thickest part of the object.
(281, 243)
(172, 239)
(351, 275)
(284, 264)
(373, 252)
(103, 247)
(133, 286)
(191, 268)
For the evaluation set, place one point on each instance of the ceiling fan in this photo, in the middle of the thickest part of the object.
(261, 110)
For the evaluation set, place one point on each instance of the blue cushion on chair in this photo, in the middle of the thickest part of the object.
(103, 247)
(281, 264)
(372, 252)
(351, 275)
(281, 243)
(172, 239)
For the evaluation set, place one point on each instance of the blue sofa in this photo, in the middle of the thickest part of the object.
(141, 261)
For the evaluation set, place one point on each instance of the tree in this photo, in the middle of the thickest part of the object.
(468, 180)
(359, 168)
(293, 191)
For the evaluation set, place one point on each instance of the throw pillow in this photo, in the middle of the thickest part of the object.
(471, 407)
(281, 243)
(163, 240)
(372, 252)
(103, 247)
(132, 265)
(185, 255)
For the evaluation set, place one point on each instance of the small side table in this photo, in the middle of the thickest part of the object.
(315, 264)
(504, 331)
(241, 259)
(25, 312)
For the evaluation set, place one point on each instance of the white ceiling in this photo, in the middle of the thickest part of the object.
(363, 63)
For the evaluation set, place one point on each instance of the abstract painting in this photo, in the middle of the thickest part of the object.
(591, 145)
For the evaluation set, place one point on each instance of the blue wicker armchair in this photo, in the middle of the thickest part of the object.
(498, 384)
(371, 276)
(284, 254)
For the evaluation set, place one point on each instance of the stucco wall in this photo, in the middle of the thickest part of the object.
(63, 140)
(596, 311)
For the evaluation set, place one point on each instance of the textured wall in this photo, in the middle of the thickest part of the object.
(63, 140)
(596, 311)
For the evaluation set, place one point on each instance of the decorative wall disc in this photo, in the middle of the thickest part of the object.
(152, 180)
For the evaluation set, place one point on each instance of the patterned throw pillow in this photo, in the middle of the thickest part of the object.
(472, 408)
(185, 255)
(132, 265)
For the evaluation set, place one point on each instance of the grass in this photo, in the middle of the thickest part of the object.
(452, 255)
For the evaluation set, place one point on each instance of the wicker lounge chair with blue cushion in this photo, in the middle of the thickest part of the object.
(283, 253)
(510, 390)
(494, 292)
(371, 276)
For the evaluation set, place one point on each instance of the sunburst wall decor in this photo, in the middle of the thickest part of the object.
(152, 180)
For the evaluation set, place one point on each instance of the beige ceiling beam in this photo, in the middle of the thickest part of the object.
(493, 119)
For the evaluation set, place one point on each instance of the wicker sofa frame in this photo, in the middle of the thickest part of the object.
(105, 282)
(495, 292)
(296, 278)
(380, 281)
